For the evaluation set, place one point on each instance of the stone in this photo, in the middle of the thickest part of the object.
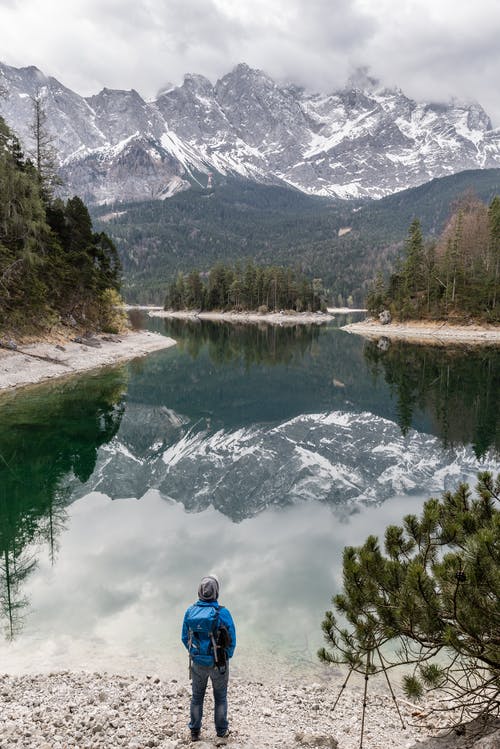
(11, 345)
(316, 739)
(92, 342)
(111, 338)
(385, 317)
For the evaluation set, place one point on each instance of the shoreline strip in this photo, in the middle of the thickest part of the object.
(439, 334)
(36, 363)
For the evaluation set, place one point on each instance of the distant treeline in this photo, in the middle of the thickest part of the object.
(53, 267)
(227, 287)
(457, 277)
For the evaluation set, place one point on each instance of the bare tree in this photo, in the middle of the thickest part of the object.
(44, 153)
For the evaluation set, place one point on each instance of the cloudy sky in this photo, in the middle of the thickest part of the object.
(433, 49)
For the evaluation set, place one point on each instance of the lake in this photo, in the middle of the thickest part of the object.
(256, 452)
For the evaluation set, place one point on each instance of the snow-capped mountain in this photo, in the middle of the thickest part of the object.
(361, 141)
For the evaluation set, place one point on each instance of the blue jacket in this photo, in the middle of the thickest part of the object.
(224, 618)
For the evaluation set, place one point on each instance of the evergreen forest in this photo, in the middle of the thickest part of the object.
(456, 277)
(54, 269)
(250, 288)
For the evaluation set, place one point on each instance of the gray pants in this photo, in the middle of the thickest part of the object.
(199, 681)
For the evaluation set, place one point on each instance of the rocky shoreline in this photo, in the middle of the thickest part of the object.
(436, 333)
(33, 363)
(101, 711)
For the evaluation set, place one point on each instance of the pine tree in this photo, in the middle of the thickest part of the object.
(435, 594)
(452, 260)
(250, 287)
(494, 254)
(44, 152)
(376, 297)
(194, 291)
(413, 265)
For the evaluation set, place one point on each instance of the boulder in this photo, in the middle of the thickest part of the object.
(10, 345)
(385, 317)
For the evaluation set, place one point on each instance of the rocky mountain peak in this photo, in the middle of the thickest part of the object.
(477, 118)
(360, 141)
(34, 74)
(198, 84)
(262, 112)
(243, 77)
(109, 97)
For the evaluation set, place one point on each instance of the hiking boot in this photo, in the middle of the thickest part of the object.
(195, 735)
(224, 735)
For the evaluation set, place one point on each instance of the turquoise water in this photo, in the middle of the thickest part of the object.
(253, 452)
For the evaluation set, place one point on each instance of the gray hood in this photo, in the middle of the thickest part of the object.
(208, 589)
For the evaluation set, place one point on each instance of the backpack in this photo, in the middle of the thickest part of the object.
(204, 642)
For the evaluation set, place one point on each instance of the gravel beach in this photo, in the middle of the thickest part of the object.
(103, 711)
(33, 363)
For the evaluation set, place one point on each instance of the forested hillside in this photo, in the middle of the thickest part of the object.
(54, 269)
(344, 243)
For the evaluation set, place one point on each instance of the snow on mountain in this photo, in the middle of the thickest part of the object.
(339, 458)
(361, 141)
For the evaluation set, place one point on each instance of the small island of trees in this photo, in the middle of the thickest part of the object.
(227, 287)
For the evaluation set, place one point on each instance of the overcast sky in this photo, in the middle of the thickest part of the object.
(432, 49)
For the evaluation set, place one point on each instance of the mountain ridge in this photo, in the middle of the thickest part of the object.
(361, 141)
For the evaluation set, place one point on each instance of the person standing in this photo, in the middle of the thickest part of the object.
(209, 634)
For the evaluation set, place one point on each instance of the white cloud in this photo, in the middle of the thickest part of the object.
(433, 49)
